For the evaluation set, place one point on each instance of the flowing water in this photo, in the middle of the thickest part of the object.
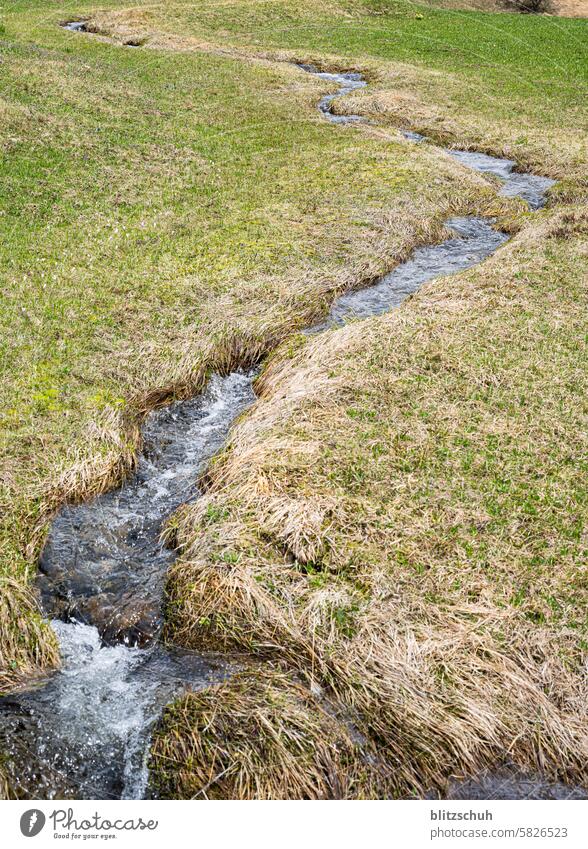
(75, 26)
(530, 187)
(85, 732)
(474, 239)
(103, 562)
(510, 782)
(347, 83)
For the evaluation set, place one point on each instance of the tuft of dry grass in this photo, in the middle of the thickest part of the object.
(260, 737)
(442, 97)
(27, 645)
(5, 792)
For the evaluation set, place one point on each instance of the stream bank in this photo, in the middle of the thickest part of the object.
(103, 568)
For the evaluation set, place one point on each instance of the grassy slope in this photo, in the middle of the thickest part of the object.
(403, 524)
(506, 76)
(161, 214)
(226, 230)
(402, 519)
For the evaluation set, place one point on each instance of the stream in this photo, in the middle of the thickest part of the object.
(84, 733)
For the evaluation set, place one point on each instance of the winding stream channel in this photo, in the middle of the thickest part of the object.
(85, 732)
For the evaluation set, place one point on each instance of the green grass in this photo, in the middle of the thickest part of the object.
(160, 214)
(537, 62)
(447, 39)
(181, 207)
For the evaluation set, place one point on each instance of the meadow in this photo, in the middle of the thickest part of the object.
(398, 528)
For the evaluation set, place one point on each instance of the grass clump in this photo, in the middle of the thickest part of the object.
(27, 645)
(259, 737)
(5, 792)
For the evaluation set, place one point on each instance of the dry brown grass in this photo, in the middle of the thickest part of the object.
(261, 737)
(570, 8)
(4, 786)
(397, 519)
(27, 646)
